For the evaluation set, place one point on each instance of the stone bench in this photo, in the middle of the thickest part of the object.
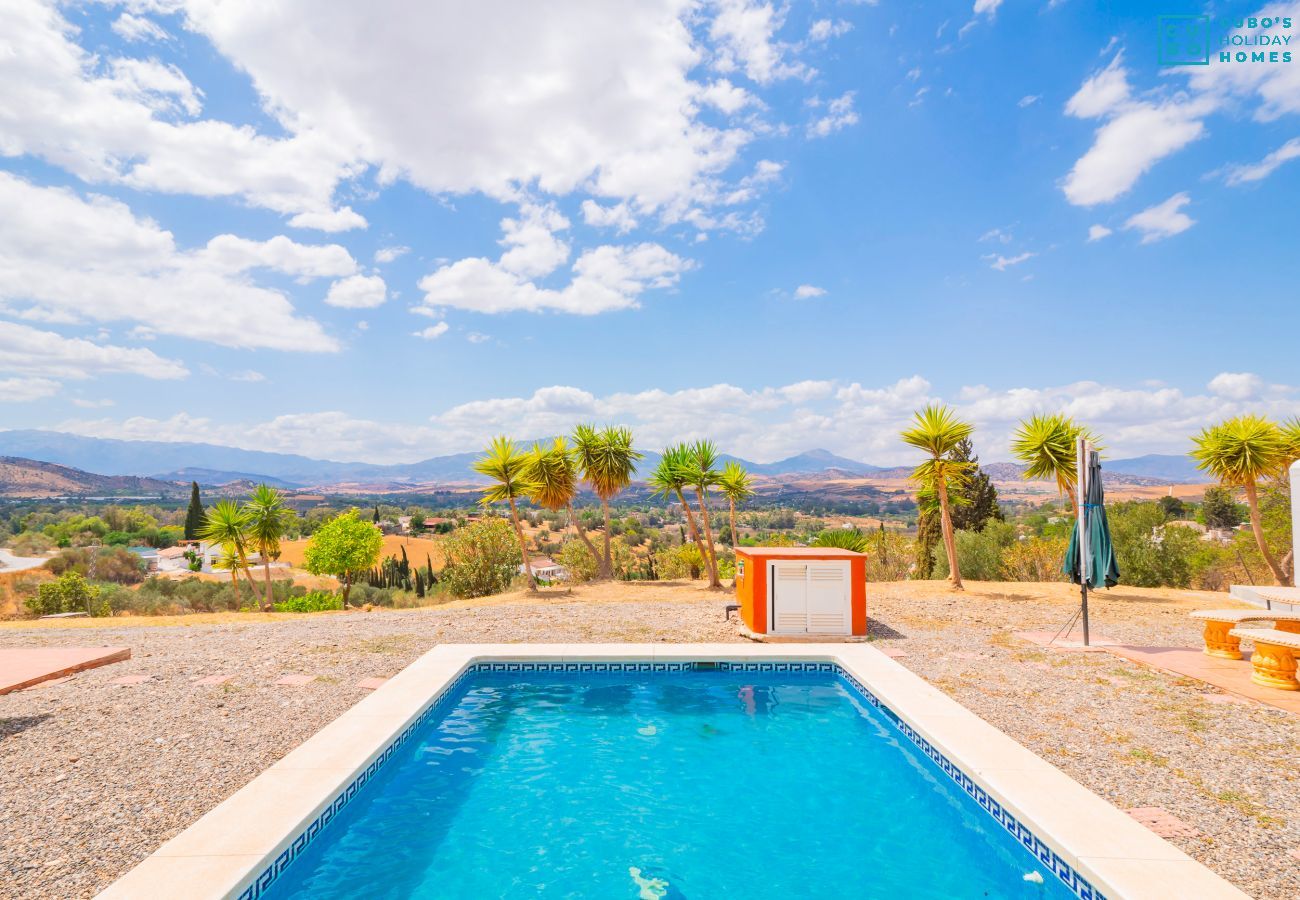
(1220, 622)
(1274, 656)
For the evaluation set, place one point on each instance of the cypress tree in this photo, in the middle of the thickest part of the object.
(376, 513)
(194, 516)
(979, 491)
(928, 536)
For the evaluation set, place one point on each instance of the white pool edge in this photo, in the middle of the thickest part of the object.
(224, 852)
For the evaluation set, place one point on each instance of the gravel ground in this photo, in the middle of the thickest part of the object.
(95, 775)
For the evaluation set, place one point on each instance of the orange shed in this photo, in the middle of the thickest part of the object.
(802, 590)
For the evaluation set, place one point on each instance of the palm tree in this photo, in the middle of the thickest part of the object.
(554, 473)
(1291, 434)
(1046, 443)
(507, 465)
(226, 524)
(268, 518)
(937, 430)
(1239, 452)
(736, 486)
(669, 480)
(701, 473)
(608, 462)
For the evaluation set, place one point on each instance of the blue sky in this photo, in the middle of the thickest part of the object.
(387, 233)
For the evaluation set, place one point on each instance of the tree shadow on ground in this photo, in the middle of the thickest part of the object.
(11, 725)
(879, 631)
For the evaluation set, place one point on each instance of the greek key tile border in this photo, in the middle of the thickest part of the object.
(1079, 885)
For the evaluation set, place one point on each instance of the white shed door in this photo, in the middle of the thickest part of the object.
(828, 598)
(810, 598)
(789, 597)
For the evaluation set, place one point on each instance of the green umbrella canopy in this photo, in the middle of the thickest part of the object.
(1103, 569)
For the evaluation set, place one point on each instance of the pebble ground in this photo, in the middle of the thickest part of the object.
(95, 775)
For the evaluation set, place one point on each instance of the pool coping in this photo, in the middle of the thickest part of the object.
(246, 836)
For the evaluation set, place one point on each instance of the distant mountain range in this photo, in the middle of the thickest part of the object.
(32, 478)
(212, 464)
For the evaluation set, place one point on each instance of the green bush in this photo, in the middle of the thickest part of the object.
(979, 553)
(113, 564)
(313, 601)
(843, 538)
(482, 559)
(70, 593)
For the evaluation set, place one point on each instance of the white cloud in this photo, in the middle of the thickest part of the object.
(477, 337)
(987, 7)
(113, 121)
(30, 351)
(137, 28)
(839, 115)
(745, 31)
(1002, 263)
(1236, 385)
(389, 254)
(1097, 232)
(26, 390)
(1162, 220)
(1266, 166)
(248, 376)
(763, 424)
(235, 254)
(1029, 100)
(68, 259)
(825, 29)
(358, 292)
(433, 331)
(618, 216)
(84, 403)
(532, 248)
(1135, 136)
(604, 279)
(806, 291)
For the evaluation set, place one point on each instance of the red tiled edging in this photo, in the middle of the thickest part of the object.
(22, 667)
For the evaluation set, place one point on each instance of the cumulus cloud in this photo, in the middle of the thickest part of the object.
(839, 114)
(433, 332)
(808, 291)
(1029, 100)
(1097, 232)
(138, 28)
(358, 292)
(31, 351)
(763, 424)
(389, 254)
(27, 390)
(281, 254)
(1162, 220)
(745, 31)
(134, 122)
(65, 258)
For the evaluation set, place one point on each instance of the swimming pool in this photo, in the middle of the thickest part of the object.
(685, 783)
(663, 771)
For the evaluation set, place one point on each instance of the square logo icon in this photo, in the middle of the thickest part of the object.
(1184, 40)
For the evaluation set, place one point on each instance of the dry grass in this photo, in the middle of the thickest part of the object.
(293, 552)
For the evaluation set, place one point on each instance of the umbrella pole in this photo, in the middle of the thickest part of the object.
(1082, 524)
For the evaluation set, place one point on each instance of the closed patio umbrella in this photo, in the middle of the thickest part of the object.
(1090, 559)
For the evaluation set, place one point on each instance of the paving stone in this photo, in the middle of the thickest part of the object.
(132, 679)
(1162, 822)
(371, 684)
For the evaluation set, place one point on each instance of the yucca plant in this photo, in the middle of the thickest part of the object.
(1239, 452)
(607, 461)
(1046, 444)
(843, 538)
(669, 480)
(507, 465)
(736, 485)
(268, 519)
(936, 430)
(553, 472)
(226, 525)
(702, 473)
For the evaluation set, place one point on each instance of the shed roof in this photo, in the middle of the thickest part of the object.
(798, 551)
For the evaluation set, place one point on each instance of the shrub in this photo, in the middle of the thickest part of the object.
(110, 564)
(482, 559)
(979, 553)
(30, 543)
(70, 593)
(312, 601)
(889, 556)
(1035, 559)
(582, 566)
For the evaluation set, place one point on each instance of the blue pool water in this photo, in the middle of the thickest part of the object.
(697, 784)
